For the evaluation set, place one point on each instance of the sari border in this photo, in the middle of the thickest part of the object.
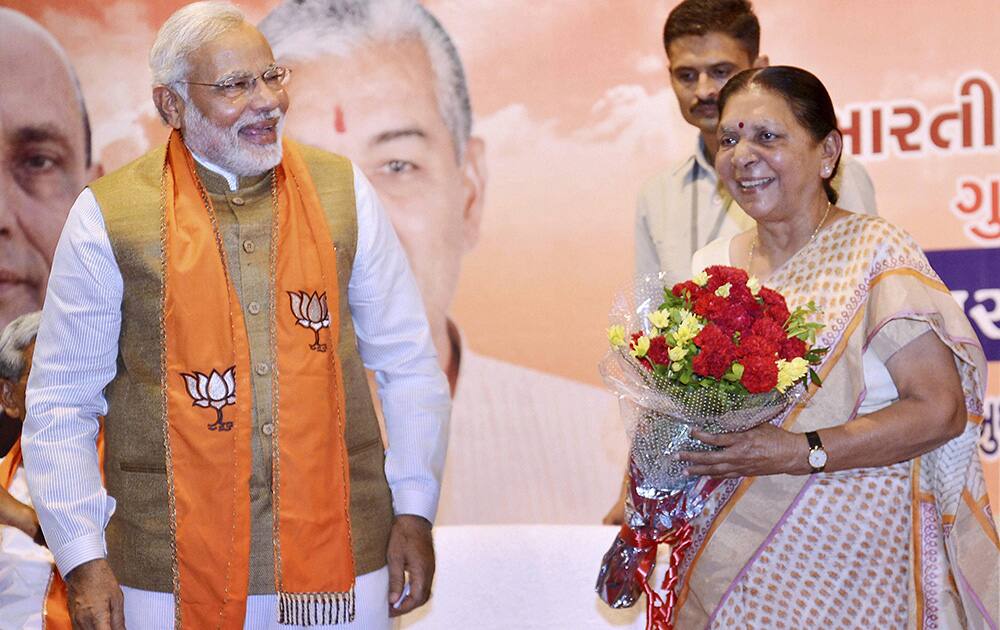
(917, 542)
(977, 508)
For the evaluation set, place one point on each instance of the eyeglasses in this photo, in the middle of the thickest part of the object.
(275, 78)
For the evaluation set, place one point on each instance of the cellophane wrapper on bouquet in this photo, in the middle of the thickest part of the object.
(748, 374)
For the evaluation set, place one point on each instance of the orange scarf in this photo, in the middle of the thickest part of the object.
(55, 608)
(209, 413)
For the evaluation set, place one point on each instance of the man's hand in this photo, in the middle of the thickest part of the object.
(95, 599)
(411, 550)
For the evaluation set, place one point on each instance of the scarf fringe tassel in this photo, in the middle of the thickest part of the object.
(311, 609)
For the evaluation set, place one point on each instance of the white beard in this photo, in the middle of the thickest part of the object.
(223, 146)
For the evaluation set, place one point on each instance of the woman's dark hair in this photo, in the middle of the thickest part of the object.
(806, 97)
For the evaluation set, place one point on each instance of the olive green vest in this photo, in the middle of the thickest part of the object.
(138, 536)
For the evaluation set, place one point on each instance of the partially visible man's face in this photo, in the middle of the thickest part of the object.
(378, 107)
(42, 162)
(243, 134)
(699, 67)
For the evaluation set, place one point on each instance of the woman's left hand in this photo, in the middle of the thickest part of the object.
(763, 450)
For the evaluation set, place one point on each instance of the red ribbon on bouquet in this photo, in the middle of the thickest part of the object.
(659, 609)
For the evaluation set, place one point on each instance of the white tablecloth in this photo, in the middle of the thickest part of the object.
(520, 577)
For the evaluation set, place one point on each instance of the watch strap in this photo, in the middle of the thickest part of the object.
(814, 441)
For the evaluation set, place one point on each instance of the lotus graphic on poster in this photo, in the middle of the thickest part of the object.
(213, 390)
(311, 312)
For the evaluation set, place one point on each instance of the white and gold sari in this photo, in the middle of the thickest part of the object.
(911, 545)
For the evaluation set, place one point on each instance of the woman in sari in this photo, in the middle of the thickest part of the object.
(865, 505)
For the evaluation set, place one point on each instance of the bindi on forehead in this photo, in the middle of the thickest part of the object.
(741, 124)
(338, 120)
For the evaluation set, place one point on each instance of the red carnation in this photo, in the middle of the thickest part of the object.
(659, 351)
(757, 345)
(717, 352)
(769, 329)
(688, 290)
(735, 317)
(760, 374)
(710, 362)
(792, 348)
(710, 306)
(711, 336)
(775, 306)
(720, 275)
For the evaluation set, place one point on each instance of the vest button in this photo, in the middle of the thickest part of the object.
(267, 429)
(238, 201)
(248, 246)
(262, 369)
(253, 307)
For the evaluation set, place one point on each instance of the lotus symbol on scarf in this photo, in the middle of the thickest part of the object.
(311, 312)
(213, 390)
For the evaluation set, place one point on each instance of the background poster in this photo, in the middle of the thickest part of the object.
(573, 102)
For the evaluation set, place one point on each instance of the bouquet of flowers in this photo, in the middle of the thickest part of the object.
(720, 353)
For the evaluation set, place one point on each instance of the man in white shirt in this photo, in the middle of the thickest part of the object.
(108, 345)
(684, 207)
(381, 82)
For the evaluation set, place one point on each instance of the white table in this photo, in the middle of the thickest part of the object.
(520, 577)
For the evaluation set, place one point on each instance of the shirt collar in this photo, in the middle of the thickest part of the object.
(231, 179)
(705, 168)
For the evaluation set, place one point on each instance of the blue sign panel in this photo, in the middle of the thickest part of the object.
(973, 275)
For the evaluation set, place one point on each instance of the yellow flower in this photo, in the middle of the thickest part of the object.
(754, 285)
(688, 330)
(677, 353)
(640, 347)
(701, 279)
(616, 335)
(791, 371)
(660, 319)
(723, 291)
(677, 366)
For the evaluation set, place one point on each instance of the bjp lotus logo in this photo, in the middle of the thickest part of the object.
(213, 390)
(311, 312)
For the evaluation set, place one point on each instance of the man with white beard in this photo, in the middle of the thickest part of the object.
(218, 301)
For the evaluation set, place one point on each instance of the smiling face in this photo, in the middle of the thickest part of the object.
(240, 134)
(379, 108)
(42, 161)
(699, 66)
(771, 164)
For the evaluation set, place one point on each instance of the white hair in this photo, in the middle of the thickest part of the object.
(17, 336)
(307, 29)
(184, 32)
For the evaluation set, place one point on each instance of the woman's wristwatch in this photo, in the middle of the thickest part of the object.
(817, 454)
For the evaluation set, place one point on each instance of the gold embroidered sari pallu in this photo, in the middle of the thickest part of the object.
(209, 410)
(876, 290)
